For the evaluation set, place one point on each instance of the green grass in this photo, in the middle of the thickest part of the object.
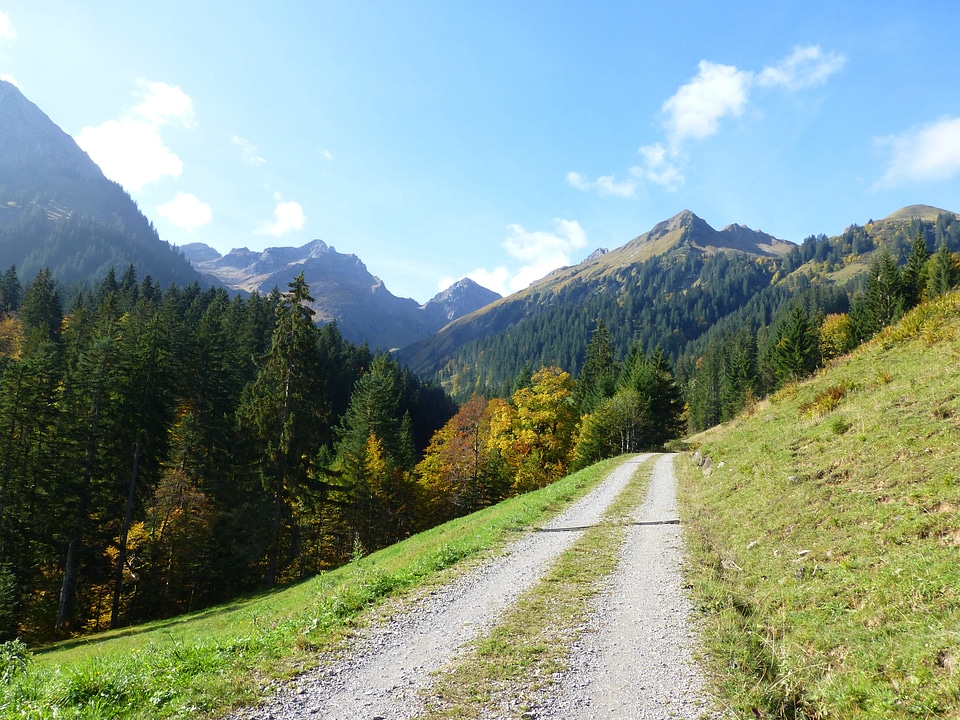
(532, 640)
(825, 540)
(208, 662)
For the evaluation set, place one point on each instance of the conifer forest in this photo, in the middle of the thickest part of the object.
(166, 449)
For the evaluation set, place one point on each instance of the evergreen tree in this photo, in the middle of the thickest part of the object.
(914, 275)
(374, 456)
(598, 376)
(796, 353)
(142, 395)
(283, 412)
(884, 293)
(941, 272)
(41, 311)
(10, 291)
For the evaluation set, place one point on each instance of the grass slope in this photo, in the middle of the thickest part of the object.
(203, 664)
(824, 539)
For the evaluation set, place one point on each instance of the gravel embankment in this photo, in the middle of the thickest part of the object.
(388, 666)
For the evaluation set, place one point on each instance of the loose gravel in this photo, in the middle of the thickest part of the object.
(635, 660)
(640, 648)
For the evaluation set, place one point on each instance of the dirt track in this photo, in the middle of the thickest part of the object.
(633, 661)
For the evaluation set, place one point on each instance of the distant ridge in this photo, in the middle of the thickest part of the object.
(927, 213)
(600, 275)
(344, 290)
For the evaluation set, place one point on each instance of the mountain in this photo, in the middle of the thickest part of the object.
(58, 210)
(343, 290)
(664, 287)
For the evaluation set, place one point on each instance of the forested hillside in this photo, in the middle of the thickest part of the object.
(163, 450)
(712, 307)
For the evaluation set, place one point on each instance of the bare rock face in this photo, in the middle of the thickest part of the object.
(461, 298)
(343, 289)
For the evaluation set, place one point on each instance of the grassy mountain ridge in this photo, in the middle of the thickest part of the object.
(826, 530)
(676, 286)
(663, 287)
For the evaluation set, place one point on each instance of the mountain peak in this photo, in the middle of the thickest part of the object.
(60, 211)
(31, 142)
(927, 213)
(462, 298)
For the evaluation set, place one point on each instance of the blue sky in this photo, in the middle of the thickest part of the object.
(497, 140)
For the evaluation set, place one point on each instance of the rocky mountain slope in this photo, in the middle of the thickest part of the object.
(58, 210)
(343, 290)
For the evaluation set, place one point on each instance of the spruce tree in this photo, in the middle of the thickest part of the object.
(10, 291)
(941, 272)
(597, 379)
(41, 310)
(796, 353)
(283, 413)
(914, 275)
(884, 293)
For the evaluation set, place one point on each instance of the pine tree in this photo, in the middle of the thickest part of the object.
(374, 456)
(884, 293)
(283, 411)
(598, 376)
(41, 311)
(941, 272)
(796, 353)
(10, 291)
(914, 275)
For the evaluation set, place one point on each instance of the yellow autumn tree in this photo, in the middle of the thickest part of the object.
(11, 337)
(461, 470)
(537, 434)
(836, 335)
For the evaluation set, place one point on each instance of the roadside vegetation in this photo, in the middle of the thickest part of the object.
(824, 534)
(202, 664)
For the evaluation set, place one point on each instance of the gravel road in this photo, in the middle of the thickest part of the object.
(635, 664)
(635, 660)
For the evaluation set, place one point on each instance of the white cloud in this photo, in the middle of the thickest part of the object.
(497, 280)
(605, 184)
(658, 168)
(10, 79)
(164, 104)
(289, 216)
(248, 149)
(325, 154)
(186, 211)
(131, 150)
(538, 253)
(6, 27)
(806, 67)
(929, 152)
(695, 112)
(696, 109)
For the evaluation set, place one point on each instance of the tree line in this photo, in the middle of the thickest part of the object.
(165, 450)
(746, 357)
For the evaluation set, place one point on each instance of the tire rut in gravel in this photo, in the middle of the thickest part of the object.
(636, 658)
(388, 666)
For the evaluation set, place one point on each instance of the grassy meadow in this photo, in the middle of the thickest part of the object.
(203, 664)
(824, 538)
